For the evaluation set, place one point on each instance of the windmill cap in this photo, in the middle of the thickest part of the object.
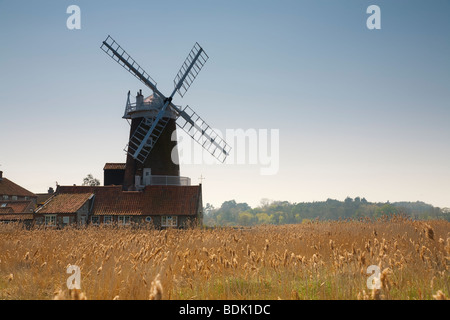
(154, 100)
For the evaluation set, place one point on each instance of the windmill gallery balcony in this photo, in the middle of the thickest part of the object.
(159, 180)
(156, 180)
(169, 181)
(148, 107)
(114, 175)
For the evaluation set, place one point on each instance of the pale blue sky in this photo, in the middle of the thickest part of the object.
(360, 112)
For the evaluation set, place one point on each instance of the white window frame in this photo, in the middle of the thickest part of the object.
(109, 218)
(96, 218)
(5, 197)
(50, 220)
(169, 221)
(123, 220)
(14, 198)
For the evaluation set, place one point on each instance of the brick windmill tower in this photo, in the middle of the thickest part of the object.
(151, 150)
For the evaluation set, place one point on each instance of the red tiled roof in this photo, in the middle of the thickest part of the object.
(154, 200)
(171, 200)
(19, 206)
(64, 203)
(20, 216)
(9, 188)
(88, 189)
(16, 210)
(114, 166)
(4, 210)
(109, 200)
(118, 203)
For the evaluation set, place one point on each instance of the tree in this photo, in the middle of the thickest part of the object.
(227, 205)
(386, 210)
(245, 219)
(263, 218)
(348, 200)
(264, 203)
(90, 181)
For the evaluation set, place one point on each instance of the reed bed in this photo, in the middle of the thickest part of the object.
(316, 260)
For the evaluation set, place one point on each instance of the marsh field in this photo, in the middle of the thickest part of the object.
(314, 260)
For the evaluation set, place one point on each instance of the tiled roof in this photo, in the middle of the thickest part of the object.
(64, 203)
(154, 200)
(9, 188)
(109, 200)
(114, 166)
(43, 197)
(171, 200)
(88, 189)
(4, 210)
(19, 206)
(20, 216)
(118, 203)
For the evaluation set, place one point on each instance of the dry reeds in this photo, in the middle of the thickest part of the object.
(320, 260)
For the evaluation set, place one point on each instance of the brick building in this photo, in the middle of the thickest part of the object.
(16, 203)
(161, 206)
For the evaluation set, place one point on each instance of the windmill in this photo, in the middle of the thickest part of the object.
(150, 148)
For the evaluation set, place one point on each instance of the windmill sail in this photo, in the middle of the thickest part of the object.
(202, 133)
(190, 69)
(140, 143)
(150, 135)
(115, 51)
(150, 129)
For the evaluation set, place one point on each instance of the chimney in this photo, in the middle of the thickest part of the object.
(50, 190)
(139, 98)
(1, 175)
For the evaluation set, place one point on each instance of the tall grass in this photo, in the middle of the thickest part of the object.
(317, 260)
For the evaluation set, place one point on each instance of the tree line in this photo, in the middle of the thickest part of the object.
(232, 213)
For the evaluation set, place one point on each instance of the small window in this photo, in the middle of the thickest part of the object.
(27, 198)
(124, 220)
(169, 221)
(5, 197)
(107, 219)
(3, 205)
(14, 198)
(148, 219)
(50, 221)
(95, 220)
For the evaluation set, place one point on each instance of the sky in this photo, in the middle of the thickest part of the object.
(338, 110)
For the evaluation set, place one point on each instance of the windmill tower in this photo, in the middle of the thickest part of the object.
(150, 149)
(157, 160)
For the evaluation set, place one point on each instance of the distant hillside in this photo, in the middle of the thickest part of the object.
(283, 212)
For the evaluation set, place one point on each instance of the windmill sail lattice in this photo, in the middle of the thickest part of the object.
(140, 138)
(190, 69)
(202, 133)
(150, 129)
(115, 51)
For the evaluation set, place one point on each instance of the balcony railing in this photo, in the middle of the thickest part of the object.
(169, 181)
(148, 107)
